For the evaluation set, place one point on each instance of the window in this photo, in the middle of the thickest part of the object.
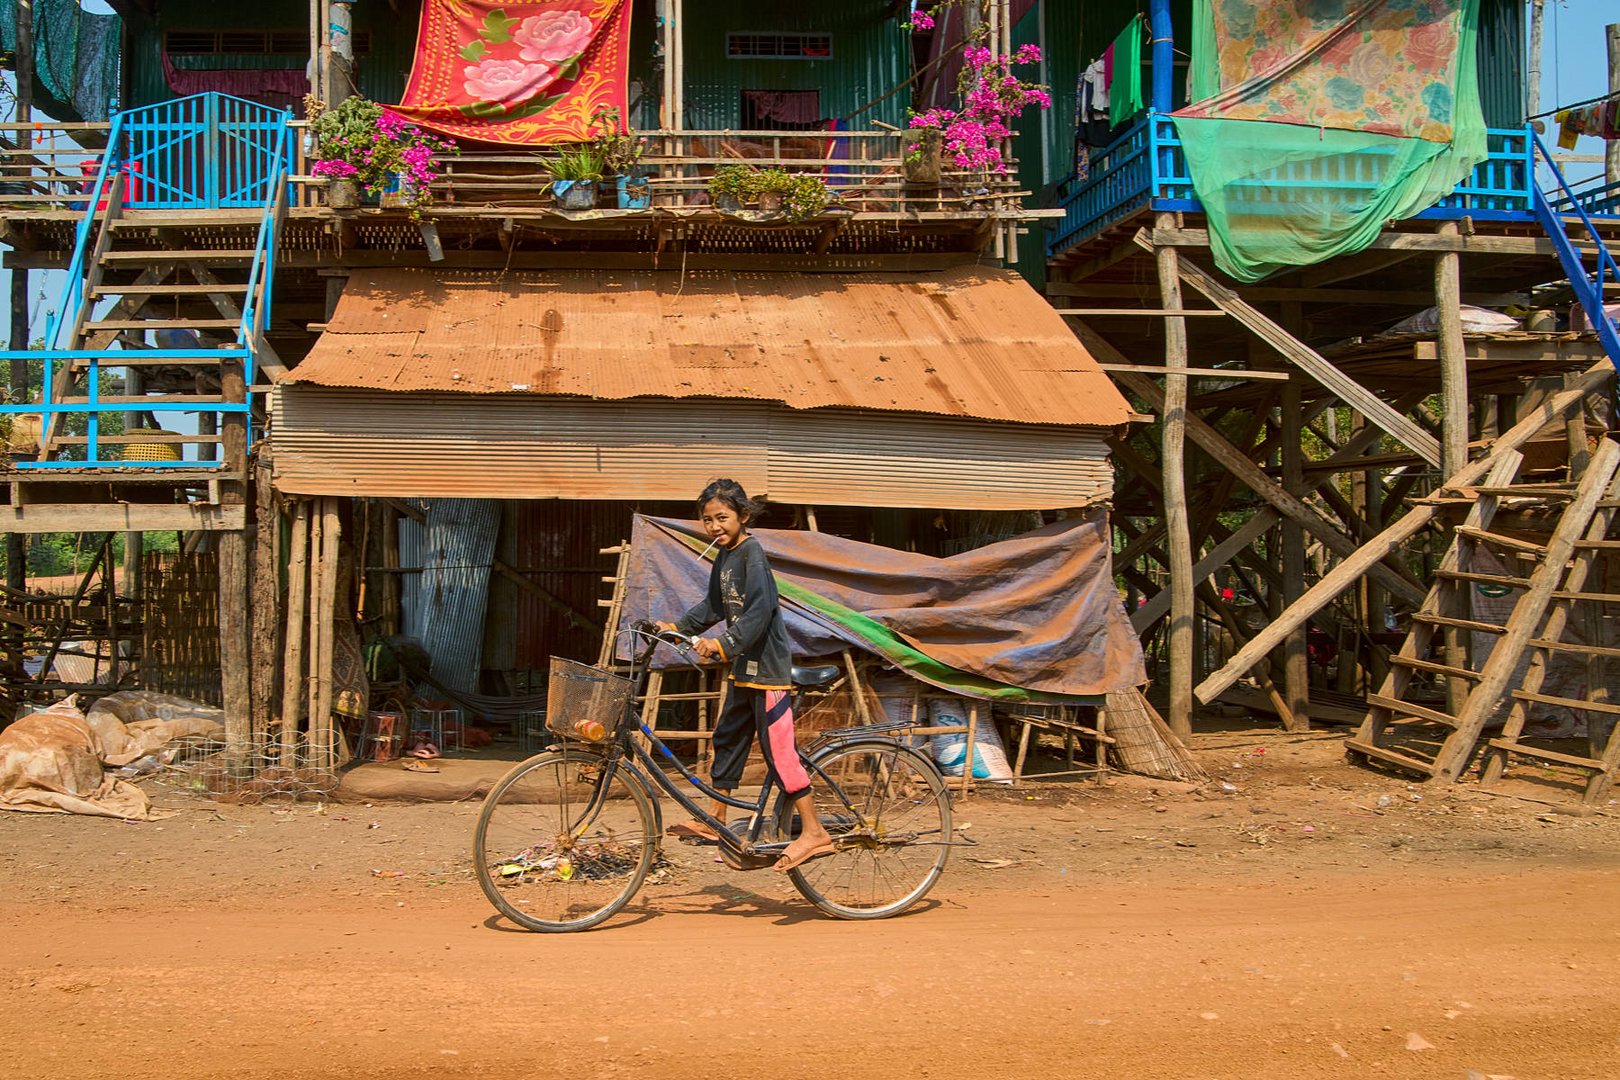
(756, 45)
(249, 42)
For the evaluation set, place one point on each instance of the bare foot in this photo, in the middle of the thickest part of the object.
(809, 845)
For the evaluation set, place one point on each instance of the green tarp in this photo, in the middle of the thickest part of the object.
(75, 58)
(1328, 119)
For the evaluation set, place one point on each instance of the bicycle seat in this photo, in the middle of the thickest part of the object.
(814, 676)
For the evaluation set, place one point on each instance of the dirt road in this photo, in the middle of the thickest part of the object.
(1292, 927)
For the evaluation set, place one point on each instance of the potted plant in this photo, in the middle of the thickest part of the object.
(575, 173)
(731, 186)
(360, 144)
(621, 153)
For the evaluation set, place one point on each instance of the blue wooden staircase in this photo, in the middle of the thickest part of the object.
(167, 297)
(1557, 215)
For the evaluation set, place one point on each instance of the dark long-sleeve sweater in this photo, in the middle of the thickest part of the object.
(742, 590)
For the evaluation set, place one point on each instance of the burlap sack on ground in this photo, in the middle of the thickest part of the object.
(50, 763)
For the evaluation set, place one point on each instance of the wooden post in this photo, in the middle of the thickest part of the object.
(1611, 153)
(1173, 464)
(265, 601)
(1453, 421)
(1532, 95)
(325, 610)
(1296, 671)
(233, 643)
(317, 588)
(292, 669)
(17, 543)
(967, 748)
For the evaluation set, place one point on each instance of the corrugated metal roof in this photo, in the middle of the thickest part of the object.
(972, 342)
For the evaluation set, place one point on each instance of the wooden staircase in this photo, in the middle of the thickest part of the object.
(1437, 739)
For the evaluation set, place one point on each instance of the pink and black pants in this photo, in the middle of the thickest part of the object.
(750, 711)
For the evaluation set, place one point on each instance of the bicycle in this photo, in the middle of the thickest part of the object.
(567, 837)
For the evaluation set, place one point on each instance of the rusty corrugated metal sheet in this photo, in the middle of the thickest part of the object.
(376, 443)
(973, 342)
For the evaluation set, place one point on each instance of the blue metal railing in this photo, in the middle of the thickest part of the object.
(1587, 285)
(204, 152)
(1146, 169)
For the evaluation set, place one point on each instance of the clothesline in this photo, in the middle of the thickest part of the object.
(1576, 105)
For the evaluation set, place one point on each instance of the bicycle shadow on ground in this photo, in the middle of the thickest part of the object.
(623, 920)
(726, 899)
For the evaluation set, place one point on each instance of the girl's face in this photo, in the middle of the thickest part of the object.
(723, 524)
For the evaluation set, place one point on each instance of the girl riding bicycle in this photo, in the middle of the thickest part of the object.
(742, 591)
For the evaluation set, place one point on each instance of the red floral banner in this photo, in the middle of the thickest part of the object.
(518, 71)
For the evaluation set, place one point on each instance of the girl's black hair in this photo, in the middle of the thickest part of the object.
(732, 494)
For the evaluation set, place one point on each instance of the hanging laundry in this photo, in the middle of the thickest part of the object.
(1601, 120)
(1125, 78)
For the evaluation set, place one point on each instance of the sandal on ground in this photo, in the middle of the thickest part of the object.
(412, 764)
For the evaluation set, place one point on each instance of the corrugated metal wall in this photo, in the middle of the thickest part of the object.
(871, 56)
(444, 604)
(383, 70)
(1502, 61)
(349, 442)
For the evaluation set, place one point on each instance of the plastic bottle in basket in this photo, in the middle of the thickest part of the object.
(590, 730)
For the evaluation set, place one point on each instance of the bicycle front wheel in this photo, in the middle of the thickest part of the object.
(889, 813)
(556, 848)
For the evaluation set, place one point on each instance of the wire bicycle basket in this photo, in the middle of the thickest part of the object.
(577, 692)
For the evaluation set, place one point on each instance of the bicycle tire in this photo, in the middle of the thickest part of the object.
(550, 861)
(888, 807)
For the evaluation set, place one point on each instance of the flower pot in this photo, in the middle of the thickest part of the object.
(394, 195)
(727, 202)
(770, 202)
(922, 165)
(343, 194)
(574, 194)
(634, 193)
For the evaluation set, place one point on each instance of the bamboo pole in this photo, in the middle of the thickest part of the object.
(326, 611)
(292, 686)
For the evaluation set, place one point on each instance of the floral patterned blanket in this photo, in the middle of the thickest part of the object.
(518, 71)
(1379, 66)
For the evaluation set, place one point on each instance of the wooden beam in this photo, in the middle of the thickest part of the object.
(121, 517)
(1313, 363)
(1370, 554)
(1266, 294)
(1393, 241)
(1239, 374)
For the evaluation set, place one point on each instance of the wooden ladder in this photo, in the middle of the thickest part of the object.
(1579, 603)
(1438, 743)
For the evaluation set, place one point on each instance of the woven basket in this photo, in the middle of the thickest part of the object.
(153, 451)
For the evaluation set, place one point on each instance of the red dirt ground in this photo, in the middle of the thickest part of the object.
(1290, 928)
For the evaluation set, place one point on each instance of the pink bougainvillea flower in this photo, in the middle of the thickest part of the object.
(506, 80)
(921, 20)
(553, 36)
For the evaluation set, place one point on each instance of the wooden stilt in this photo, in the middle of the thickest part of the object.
(321, 720)
(317, 589)
(1172, 459)
(293, 686)
(1296, 672)
(266, 594)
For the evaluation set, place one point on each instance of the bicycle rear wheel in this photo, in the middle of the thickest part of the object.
(556, 850)
(889, 813)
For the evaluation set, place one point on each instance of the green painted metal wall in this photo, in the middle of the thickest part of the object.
(870, 58)
(1502, 62)
(382, 72)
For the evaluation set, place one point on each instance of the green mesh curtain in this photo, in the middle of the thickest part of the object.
(75, 58)
(1327, 118)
